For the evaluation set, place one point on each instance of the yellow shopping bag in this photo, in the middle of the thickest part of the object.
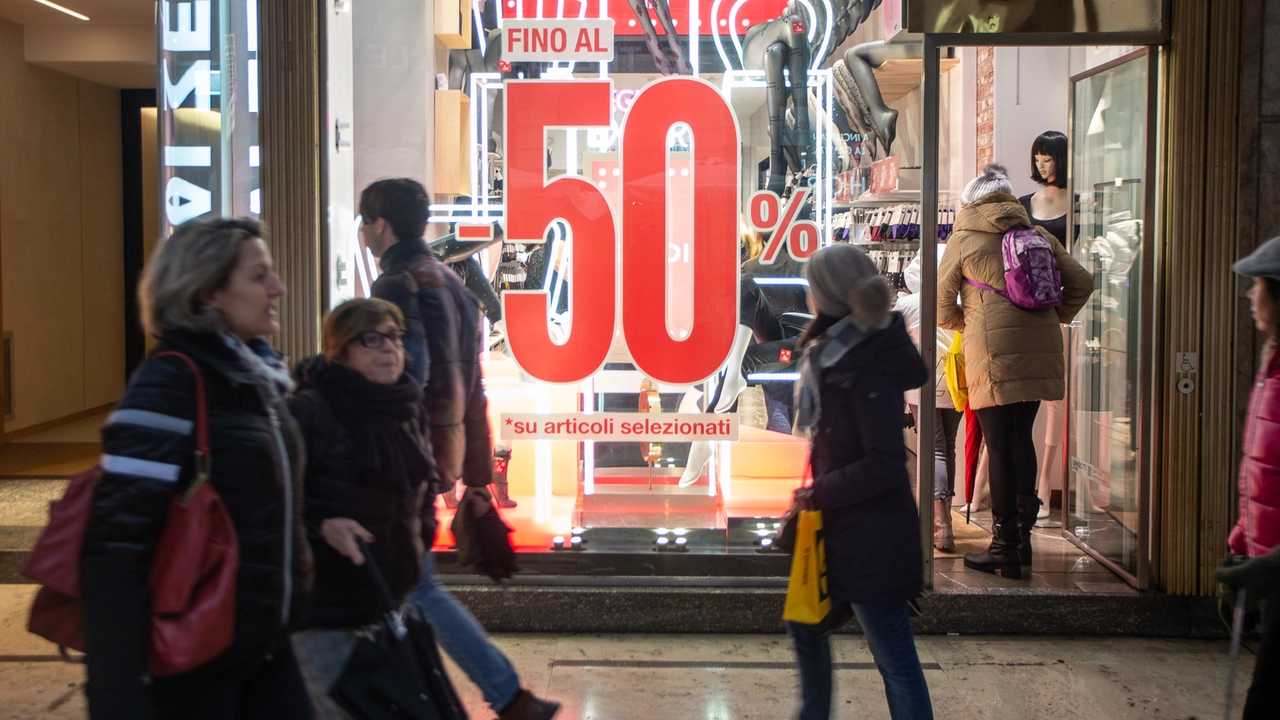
(953, 366)
(807, 598)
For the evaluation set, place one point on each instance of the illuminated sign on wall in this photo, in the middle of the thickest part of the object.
(208, 97)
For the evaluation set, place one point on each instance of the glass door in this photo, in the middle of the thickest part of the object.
(1105, 501)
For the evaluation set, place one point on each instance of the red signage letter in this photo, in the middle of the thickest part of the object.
(533, 204)
(716, 174)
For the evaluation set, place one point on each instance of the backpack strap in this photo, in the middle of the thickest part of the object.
(203, 453)
(982, 286)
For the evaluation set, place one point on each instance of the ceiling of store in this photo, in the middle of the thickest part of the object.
(103, 12)
(115, 47)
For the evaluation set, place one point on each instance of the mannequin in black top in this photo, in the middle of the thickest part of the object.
(1048, 206)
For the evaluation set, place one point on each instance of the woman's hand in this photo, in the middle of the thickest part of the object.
(341, 534)
(802, 500)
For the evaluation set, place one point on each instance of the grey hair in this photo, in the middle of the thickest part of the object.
(193, 262)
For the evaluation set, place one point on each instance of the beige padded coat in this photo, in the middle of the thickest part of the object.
(1011, 354)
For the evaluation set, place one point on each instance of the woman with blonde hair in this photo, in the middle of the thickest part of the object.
(209, 293)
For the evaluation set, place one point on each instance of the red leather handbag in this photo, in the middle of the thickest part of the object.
(193, 574)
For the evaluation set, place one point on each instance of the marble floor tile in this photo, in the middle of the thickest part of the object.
(43, 691)
(676, 648)
(15, 606)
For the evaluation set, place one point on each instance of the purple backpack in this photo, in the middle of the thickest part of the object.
(1031, 277)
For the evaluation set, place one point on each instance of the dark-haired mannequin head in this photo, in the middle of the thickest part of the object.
(1049, 169)
(1049, 159)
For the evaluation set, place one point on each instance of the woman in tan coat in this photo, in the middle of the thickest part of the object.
(1013, 357)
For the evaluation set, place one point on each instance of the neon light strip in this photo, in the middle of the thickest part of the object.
(781, 281)
(695, 23)
(588, 393)
(715, 35)
(726, 471)
(733, 32)
(61, 9)
(816, 60)
(773, 377)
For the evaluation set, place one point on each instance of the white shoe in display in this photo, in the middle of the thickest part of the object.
(734, 382)
(699, 454)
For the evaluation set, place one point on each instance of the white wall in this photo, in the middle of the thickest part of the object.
(1032, 95)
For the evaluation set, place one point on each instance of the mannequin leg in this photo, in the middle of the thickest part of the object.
(663, 12)
(734, 382)
(1042, 483)
(802, 136)
(776, 102)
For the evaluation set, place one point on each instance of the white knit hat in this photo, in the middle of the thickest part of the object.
(994, 178)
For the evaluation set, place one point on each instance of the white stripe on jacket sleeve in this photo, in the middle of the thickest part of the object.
(136, 467)
(153, 420)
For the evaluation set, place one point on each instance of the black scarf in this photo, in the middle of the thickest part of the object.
(386, 421)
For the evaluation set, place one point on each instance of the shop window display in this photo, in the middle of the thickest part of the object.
(825, 101)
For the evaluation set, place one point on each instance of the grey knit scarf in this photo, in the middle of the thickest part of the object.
(818, 357)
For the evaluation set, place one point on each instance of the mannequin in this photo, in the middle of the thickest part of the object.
(1048, 207)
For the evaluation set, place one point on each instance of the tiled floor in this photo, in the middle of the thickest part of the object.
(678, 677)
(1056, 562)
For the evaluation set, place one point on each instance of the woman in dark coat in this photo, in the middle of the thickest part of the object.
(209, 292)
(368, 468)
(858, 361)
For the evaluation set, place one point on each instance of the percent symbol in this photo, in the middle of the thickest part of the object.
(766, 214)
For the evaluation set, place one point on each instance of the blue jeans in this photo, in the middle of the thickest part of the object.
(888, 632)
(465, 640)
(946, 425)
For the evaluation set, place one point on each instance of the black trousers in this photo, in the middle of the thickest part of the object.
(1012, 451)
(1264, 694)
(272, 691)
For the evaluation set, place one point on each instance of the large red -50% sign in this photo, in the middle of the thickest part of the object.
(618, 265)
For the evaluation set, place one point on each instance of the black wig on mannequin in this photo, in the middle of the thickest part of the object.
(1053, 144)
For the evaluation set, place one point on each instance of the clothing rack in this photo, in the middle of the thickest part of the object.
(895, 223)
(892, 264)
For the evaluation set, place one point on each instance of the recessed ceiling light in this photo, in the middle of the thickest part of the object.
(61, 9)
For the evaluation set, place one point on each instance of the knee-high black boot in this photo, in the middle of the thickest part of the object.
(1028, 509)
(1002, 554)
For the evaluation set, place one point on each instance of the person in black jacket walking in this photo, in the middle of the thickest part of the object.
(208, 292)
(858, 361)
(442, 320)
(368, 468)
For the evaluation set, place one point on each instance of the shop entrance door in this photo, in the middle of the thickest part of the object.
(1106, 497)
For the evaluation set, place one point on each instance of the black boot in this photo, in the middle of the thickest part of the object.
(1002, 554)
(1028, 509)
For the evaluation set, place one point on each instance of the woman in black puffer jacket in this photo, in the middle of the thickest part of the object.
(369, 465)
(209, 293)
(858, 361)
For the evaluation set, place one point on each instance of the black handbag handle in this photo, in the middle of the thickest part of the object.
(384, 591)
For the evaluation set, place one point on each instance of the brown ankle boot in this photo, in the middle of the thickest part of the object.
(527, 706)
(943, 536)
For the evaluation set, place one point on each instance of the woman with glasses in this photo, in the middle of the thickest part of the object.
(368, 468)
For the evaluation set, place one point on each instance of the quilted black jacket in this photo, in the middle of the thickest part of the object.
(339, 485)
(256, 467)
(443, 345)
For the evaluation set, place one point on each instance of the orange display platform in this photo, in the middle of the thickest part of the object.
(762, 470)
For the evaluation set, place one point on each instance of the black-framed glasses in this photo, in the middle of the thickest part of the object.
(374, 339)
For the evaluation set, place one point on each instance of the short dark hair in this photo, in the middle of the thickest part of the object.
(1053, 144)
(401, 202)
